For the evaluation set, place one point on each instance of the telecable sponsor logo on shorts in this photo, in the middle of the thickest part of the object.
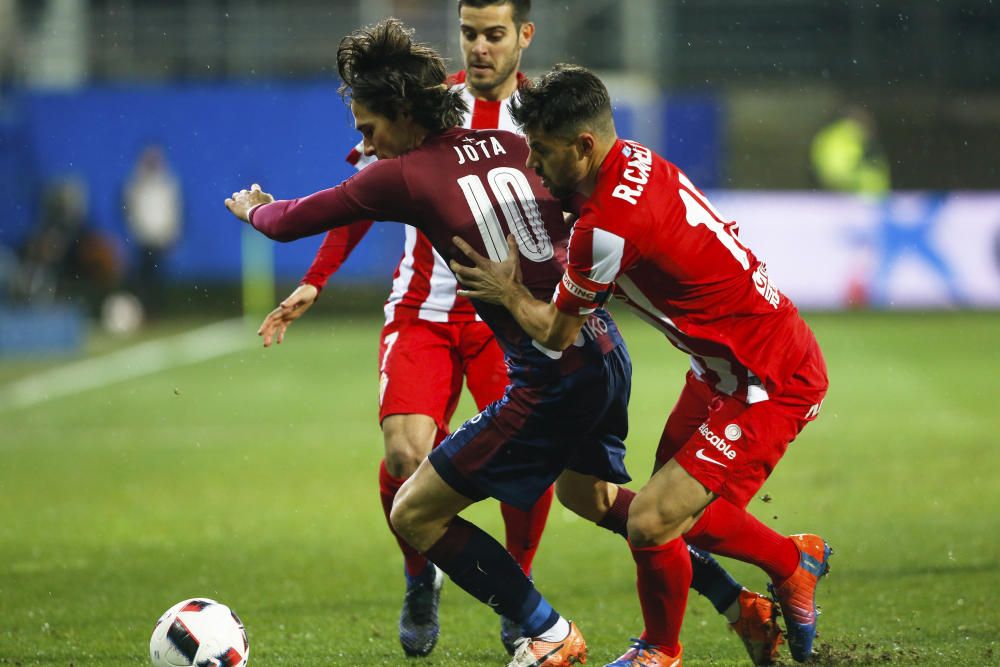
(719, 443)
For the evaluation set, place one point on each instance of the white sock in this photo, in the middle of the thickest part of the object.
(557, 632)
(732, 613)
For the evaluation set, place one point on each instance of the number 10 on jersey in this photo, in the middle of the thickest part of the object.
(517, 203)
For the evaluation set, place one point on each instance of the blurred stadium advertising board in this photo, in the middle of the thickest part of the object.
(912, 250)
(826, 251)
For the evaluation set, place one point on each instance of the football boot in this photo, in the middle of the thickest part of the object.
(510, 632)
(757, 626)
(644, 654)
(418, 620)
(530, 652)
(797, 594)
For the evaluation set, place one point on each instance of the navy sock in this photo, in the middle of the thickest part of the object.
(711, 580)
(481, 567)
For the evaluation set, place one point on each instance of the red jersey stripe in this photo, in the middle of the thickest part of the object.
(485, 115)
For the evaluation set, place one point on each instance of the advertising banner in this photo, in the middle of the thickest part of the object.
(914, 250)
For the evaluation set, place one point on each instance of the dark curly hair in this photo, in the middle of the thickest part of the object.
(563, 102)
(381, 67)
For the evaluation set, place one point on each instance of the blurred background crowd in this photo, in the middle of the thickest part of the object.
(854, 141)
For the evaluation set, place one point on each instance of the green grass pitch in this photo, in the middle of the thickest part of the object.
(251, 478)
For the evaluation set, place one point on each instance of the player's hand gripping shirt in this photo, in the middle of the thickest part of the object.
(472, 184)
(422, 286)
(650, 237)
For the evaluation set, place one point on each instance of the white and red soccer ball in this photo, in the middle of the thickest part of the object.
(199, 633)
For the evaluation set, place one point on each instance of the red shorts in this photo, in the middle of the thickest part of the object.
(732, 447)
(422, 365)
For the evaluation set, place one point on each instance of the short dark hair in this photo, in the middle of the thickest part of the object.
(381, 67)
(563, 102)
(519, 8)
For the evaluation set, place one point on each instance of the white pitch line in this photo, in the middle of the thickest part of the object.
(214, 340)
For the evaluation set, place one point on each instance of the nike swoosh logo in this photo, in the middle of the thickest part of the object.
(701, 455)
(541, 661)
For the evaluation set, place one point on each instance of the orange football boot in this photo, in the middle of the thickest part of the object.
(797, 594)
(538, 653)
(644, 654)
(757, 627)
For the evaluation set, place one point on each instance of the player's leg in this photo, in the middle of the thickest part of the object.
(750, 615)
(425, 514)
(514, 450)
(756, 437)
(486, 377)
(415, 385)
(660, 513)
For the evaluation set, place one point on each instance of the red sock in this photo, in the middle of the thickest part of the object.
(663, 579)
(387, 488)
(524, 529)
(728, 530)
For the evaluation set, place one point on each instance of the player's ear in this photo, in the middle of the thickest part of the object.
(526, 34)
(585, 144)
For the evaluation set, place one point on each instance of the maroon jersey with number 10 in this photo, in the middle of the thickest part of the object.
(466, 183)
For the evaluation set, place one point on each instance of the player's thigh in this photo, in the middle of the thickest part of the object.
(424, 506)
(483, 363)
(515, 448)
(416, 370)
(737, 447)
(690, 412)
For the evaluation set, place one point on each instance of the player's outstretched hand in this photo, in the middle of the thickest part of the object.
(292, 308)
(486, 280)
(241, 202)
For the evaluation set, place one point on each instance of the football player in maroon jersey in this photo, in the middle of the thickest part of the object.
(432, 339)
(646, 234)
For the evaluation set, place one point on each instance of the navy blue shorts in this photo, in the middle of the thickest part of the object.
(517, 447)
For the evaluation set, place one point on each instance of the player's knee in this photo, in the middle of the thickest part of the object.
(401, 464)
(404, 452)
(644, 529)
(405, 518)
(648, 523)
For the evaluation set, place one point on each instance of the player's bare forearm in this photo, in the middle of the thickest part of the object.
(290, 309)
(541, 320)
(500, 283)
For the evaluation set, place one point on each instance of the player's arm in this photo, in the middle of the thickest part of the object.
(334, 251)
(337, 246)
(339, 243)
(500, 283)
(378, 192)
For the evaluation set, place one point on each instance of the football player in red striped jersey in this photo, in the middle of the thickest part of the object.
(648, 236)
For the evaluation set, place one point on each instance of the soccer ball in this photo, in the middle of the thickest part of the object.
(199, 632)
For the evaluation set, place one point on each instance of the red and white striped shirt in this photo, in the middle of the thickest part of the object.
(423, 286)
